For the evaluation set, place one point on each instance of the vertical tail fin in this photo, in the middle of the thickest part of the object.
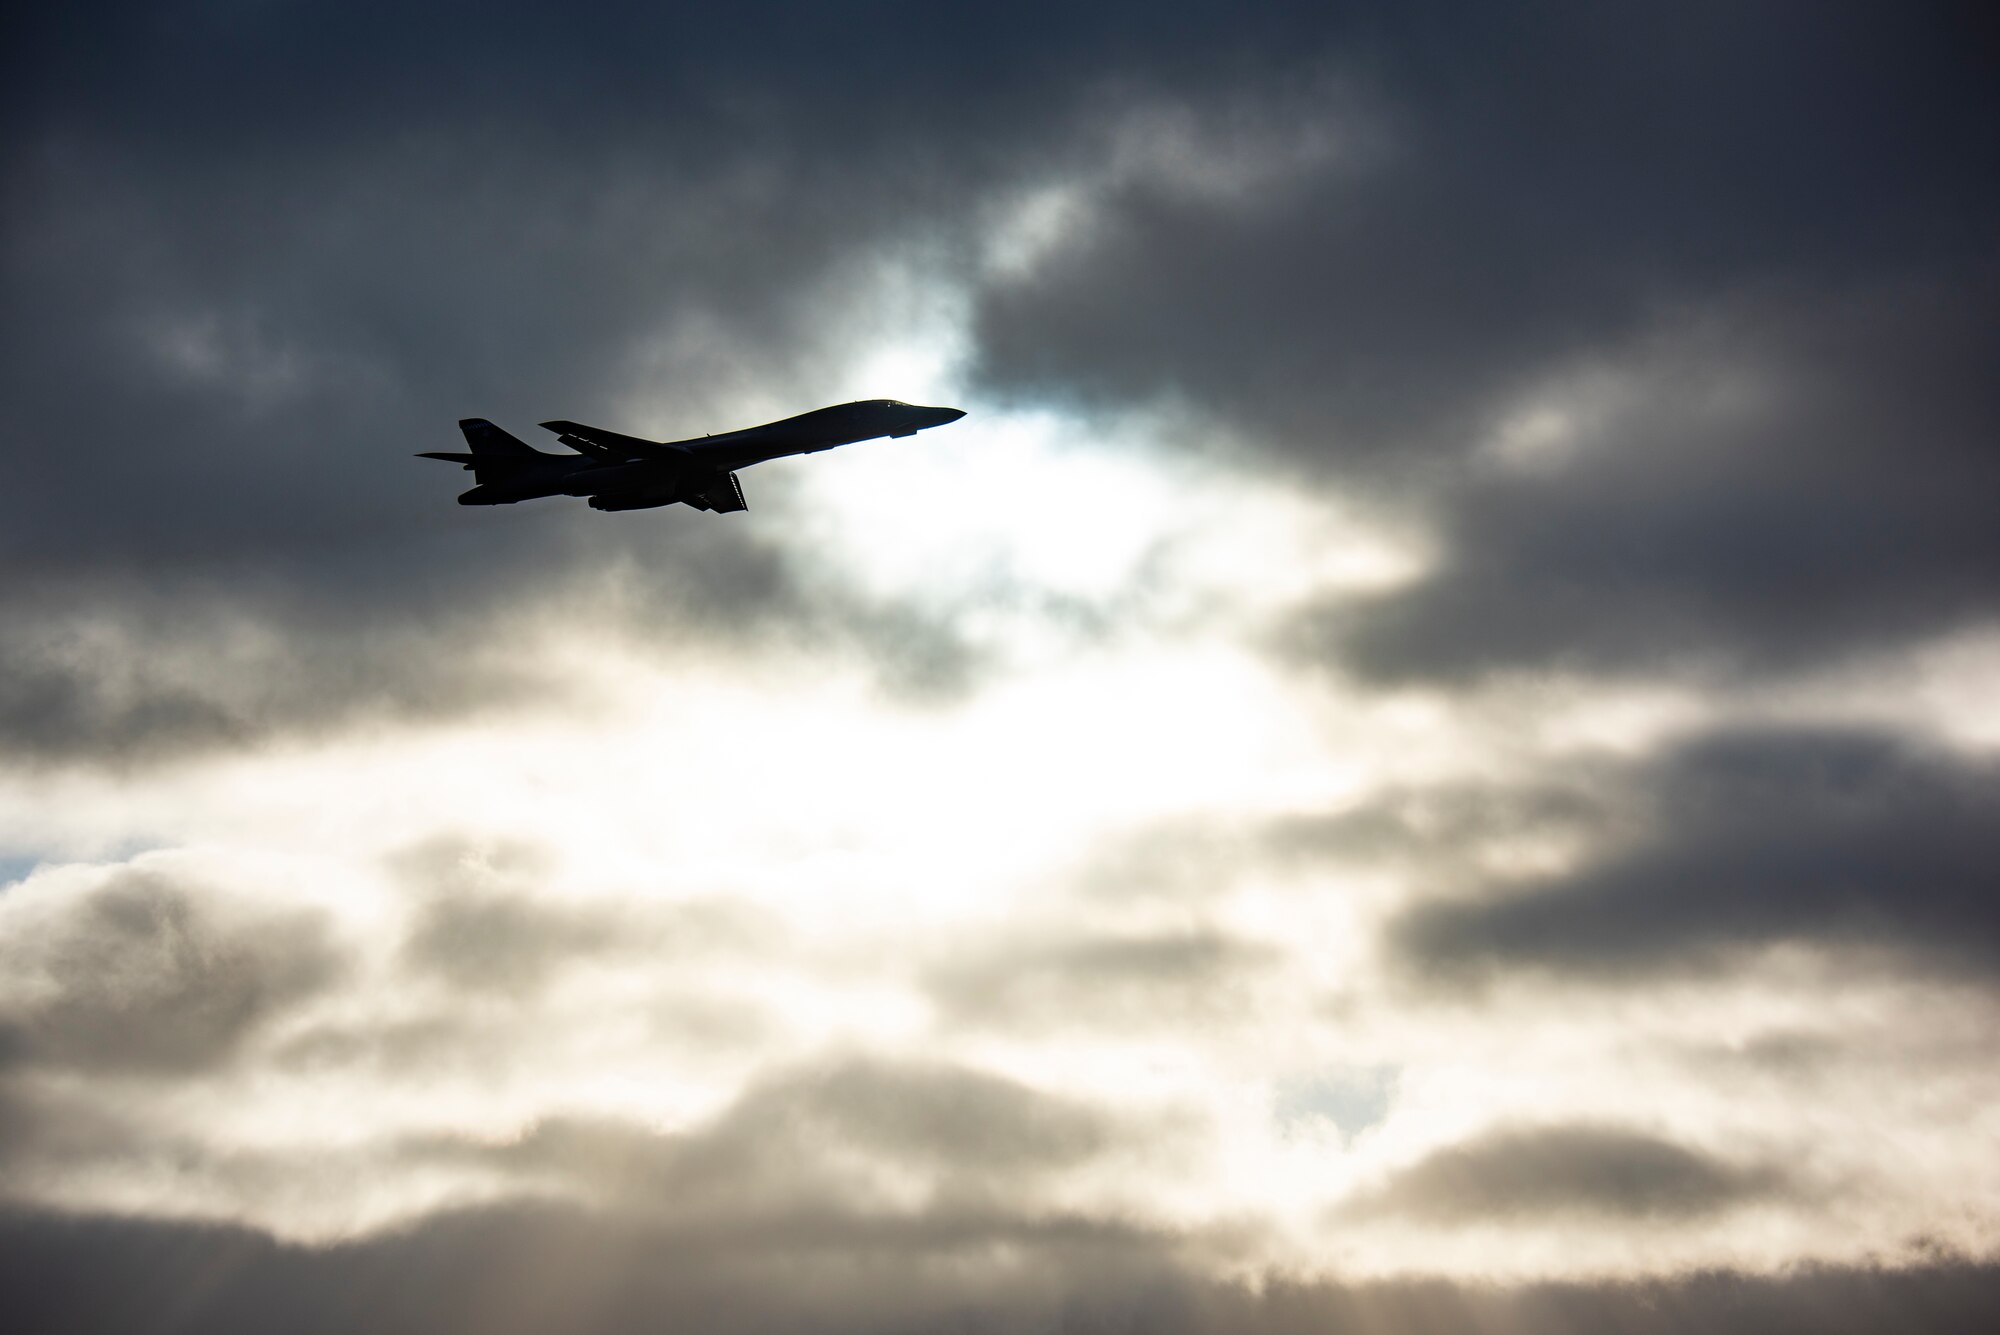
(492, 444)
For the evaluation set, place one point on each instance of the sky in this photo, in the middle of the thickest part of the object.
(1426, 756)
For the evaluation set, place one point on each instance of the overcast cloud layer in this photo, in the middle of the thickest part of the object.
(1425, 756)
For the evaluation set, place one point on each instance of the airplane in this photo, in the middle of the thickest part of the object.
(620, 472)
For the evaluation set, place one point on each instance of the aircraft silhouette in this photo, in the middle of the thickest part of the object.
(626, 473)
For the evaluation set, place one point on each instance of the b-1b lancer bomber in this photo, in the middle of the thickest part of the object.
(626, 473)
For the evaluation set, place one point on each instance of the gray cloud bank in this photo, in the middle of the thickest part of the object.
(1772, 230)
(814, 1152)
(525, 1269)
(1583, 1170)
(1840, 510)
(1850, 841)
(144, 973)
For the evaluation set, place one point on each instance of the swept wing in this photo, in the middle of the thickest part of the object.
(595, 440)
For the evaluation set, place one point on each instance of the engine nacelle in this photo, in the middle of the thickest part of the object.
(627, 501)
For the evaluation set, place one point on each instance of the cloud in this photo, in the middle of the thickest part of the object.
(105, 680)
(525, 1268)
(1389, 299)
(848, 1143)
(1849, 840)
(1448, 830)
(243, 298)
(1575, 1169)
(141, 971)
(483, 922)
(1782, 485)
(1660, 342)
(1112, 980)
(240, 300)
(1490, 263)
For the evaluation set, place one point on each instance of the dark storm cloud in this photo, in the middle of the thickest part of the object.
(1551, 176)
(1847, 507)
(256, 257)
(1579, 1169)
(1557, 192)
(1846, 840)
(175, 516)
(534, 1268)
(146, 973)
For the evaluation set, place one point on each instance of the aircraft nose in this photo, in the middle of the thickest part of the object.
(946, 416)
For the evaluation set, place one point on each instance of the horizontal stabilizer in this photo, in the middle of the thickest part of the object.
(466, 459)
(723, 494)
